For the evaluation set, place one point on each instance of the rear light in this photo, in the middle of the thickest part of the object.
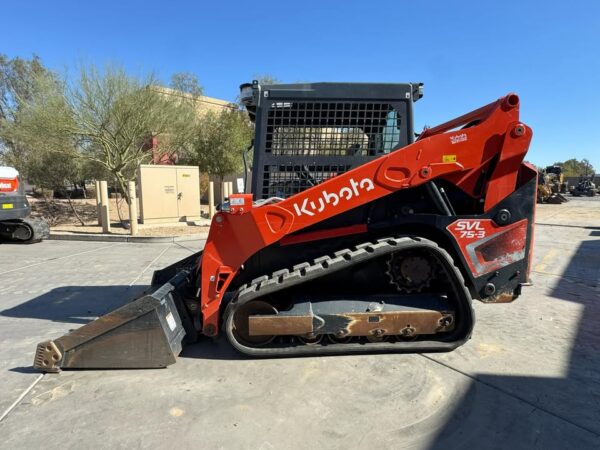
(9, 184)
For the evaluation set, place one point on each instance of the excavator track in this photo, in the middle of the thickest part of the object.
(24, 231)
(262, 287)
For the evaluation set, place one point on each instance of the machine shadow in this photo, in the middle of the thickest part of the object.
(544, 407)
(75, 304)
(207, 348)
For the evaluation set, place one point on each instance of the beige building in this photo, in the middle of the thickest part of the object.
(203, 105)
(203, 102)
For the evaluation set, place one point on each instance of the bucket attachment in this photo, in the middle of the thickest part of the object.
(189, 264)
(145, 333)
(557, 199)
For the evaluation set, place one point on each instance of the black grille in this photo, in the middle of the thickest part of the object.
(331, 128)
(285, 180)
(308, 133)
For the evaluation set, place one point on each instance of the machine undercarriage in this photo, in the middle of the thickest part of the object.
(326, 306)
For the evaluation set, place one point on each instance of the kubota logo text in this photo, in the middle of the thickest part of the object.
(310, 207)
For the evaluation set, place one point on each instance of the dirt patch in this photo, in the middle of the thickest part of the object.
(59, 214)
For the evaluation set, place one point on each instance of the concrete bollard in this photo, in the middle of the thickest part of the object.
(98, 203)
(225, 191)
(200, 197)
(133, 210)
(104, 204)
(211, 200)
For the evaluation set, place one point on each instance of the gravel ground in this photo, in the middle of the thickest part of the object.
(62, 220)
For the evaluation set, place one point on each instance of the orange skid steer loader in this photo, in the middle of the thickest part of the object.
(356, 235)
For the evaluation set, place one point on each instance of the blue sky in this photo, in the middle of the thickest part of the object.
(467, 53)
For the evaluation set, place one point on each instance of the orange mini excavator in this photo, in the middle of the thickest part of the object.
(355, 235)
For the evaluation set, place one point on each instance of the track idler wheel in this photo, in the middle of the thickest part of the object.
(23, 233)
(240, 322)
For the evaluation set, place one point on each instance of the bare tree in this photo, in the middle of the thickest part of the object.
(187, 83)
(110, 118)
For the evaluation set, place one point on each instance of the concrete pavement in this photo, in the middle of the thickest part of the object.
(529, 378)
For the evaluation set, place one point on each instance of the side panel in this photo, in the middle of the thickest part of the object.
(497, 258)
(487, 246)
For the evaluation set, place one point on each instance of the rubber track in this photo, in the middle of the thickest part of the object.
(326, 265)
(40, 230)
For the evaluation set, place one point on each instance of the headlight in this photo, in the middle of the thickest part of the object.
(246, 93)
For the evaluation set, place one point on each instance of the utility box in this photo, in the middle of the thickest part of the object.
(169, 193)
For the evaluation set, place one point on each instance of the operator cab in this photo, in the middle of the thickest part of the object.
(307, 133)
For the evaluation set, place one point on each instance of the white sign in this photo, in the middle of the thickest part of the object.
(240, 185)
(171, 321)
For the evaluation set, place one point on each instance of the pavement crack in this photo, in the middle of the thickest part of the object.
(21, 397)
(149, 265)
(191, 250)
(566, 225)
(57, 259)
